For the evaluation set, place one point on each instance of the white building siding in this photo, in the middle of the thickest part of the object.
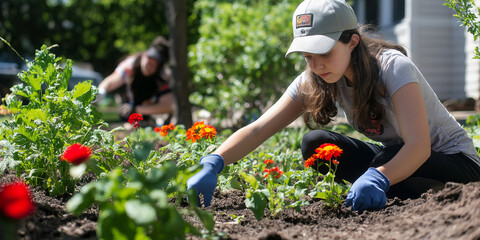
(435, 50)
(436, 44)
(472, 66)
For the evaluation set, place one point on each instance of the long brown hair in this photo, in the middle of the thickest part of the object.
(319, 97)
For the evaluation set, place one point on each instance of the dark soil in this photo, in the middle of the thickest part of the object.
(451, 213)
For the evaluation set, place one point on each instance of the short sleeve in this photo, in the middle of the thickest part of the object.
(124, 68)
(293, 88)
(397, 70)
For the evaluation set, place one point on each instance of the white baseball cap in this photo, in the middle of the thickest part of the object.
(318, 24)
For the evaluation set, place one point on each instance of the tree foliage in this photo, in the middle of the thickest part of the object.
(97, 31)
(467, 13)
(238, 63)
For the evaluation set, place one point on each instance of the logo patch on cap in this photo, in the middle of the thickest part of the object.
(304, 20)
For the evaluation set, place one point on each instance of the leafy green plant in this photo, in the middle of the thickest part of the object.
(467, 13)
(136, 205)
(276, 190)
(256, 195)
(46, 118)
(186, 147)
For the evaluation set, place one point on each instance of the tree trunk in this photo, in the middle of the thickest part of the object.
(177, 23)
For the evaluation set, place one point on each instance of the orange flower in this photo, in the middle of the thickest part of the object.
(274, 172)
(164, 130)
(310, 161)
(208, 132)
(76, 154)
(193, 133)
(156, 129)
(326, 151)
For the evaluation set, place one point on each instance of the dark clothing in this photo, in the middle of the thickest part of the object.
(358, 156)
(146, 88)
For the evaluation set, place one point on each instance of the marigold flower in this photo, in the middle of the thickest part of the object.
(76, 154)
(165, 128)
(135, 118)
(326, 151)
(208, 132)
(156, 129)
(16, 201)
(274, 172)
(193, 133)
(310, 161)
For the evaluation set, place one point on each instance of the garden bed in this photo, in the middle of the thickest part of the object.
(452, 213)
(60, 147)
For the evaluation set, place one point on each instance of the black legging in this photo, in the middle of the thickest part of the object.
(358, 156)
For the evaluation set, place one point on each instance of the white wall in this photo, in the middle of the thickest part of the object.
(436, 44)
(472, 68)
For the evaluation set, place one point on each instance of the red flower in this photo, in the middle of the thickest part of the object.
(156, 129)
(76, 154)
(165, 128)
(16, 201)
(268, 161)
(274, 172)
(326, 151)
(134, 119)
(208, 132)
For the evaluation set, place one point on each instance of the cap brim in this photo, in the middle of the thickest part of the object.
(153, 53)
(316, 44)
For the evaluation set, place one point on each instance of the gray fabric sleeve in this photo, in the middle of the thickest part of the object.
(292, 90)
(397, 71)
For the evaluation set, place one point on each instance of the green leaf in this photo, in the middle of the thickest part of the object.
(160, 197)
(142, 150)
(113, 224)
(257, 203)
(158, 178)
(142, 213)
(33, 114)
(27, 133)
(67, 73)
(206, 218)
(34, 81)
(7, 152)
(250, 179)
(322, 195)
(81, 88)
(79, 202)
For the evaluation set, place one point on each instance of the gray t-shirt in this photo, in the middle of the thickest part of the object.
(446, 134)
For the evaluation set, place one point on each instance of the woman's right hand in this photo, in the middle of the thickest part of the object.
(205, 181)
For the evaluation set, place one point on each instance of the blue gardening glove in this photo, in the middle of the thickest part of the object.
(368, 191)
(205, 181)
